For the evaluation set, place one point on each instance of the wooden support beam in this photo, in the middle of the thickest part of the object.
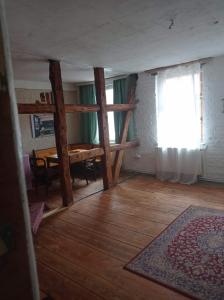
(127, 145)
(35, 108)
(119, 155)
(32, 108)
(121, 107)
(70, 108)
(103, 126)
(84, 155)
(25, 108)
(61, 131)
(17, 261)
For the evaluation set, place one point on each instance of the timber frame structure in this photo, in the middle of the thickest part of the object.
(59, 109)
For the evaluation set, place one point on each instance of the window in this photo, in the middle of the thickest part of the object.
(179, 107)
(109, 99)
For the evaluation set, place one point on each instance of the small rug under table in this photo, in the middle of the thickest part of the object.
(188, 255)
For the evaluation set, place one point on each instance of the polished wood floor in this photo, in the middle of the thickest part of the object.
(80, 190)
(81, 252)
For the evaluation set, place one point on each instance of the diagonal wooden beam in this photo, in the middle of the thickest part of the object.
(61, 131)
(103, 126)
(123, 137)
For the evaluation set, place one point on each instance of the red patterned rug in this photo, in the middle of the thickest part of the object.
(188, 255)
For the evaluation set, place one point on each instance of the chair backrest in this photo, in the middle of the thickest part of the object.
(43, 153)
(37, 162)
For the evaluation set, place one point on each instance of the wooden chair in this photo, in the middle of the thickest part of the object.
(42, 176)
(78, 170)
(91, 168)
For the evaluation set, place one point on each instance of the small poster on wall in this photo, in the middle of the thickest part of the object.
(42, 125)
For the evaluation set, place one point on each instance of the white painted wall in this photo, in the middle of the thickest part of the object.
(145, 116)
(213, 91)
(29, 95)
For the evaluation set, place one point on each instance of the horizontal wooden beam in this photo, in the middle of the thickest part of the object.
(121, 107)
(32, 108)
(70, 108)
(24, 108)
(127, 145)
(87, 154)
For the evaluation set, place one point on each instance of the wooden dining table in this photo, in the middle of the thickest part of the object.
(54, 159)
(76, 155)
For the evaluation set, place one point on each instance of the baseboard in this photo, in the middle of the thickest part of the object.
(141, 172)
(216, 180)
(201, 178)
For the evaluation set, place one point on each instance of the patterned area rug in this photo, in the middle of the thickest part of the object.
(188, 255)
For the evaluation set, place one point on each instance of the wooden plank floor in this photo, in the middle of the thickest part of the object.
(81, 252)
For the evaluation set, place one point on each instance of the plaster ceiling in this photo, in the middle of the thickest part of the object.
(121, 35)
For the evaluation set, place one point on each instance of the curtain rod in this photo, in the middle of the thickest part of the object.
(156, 70)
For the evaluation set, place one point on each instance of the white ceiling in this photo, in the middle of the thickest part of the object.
(121, 35)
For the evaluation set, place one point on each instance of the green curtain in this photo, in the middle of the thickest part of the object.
(122, 88)
(89, 123)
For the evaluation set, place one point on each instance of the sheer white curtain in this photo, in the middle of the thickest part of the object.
(178, 124)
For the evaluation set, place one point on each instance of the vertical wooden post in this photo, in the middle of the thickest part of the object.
(103, 126)
(17, 261)
(61, 131)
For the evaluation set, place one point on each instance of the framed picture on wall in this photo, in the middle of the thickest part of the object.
(42, 125)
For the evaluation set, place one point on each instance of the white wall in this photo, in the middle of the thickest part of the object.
(29, 95)
(213, 92)
(145, 116)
